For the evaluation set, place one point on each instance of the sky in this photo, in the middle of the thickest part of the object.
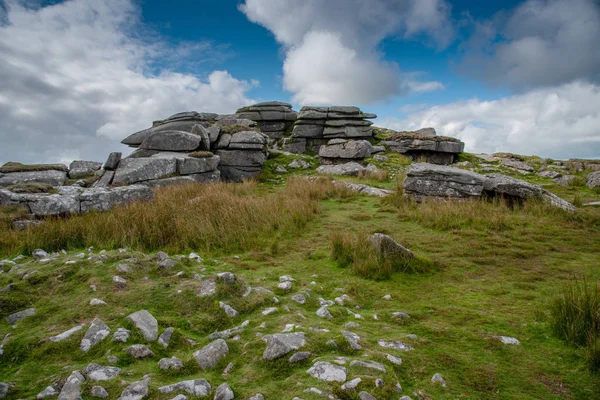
(521, 76)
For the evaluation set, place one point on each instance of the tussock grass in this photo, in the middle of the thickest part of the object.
(575, 318)
(379, 175)
(201, 154)
(202, 217)
(32, 187)
(356, 251)
(18, 167)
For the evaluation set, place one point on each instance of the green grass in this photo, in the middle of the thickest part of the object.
(201, 154)
(497, 269)
(32, 187)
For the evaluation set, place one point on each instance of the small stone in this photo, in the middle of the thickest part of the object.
(369, 364)
(124, 268)
(231, 313)
(211, 354)
(118, 279)
(395, 345)
(394, 360)
(146, 323)
(99, 391)
(197, 387)
(97, 332)
(139, 351)
(281, 344)
(328, 372)
(401, 315)
(161, 256)
(351, 385)
(173, 363)
(50, 391)
(96, 372)
(165, 338)
(285, 286)
(323, 312)
(257, 396)
(226, 277)
(38, 254)
(121, 335)
(299, 298)
(71, 390)
(366, 396)
(227, 369)
(352, 339)
(387, 297)
(224, 392)
(379, 383)
(96, 302)
(300, 356)
(269, 310)
(16, 317)
(167, 264)
(508, 340)
(437, 379)
(136, 391)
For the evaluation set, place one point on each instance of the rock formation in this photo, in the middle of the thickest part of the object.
(425, 144)
(274, 118)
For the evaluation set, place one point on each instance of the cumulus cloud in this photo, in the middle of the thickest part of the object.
(559, 122)
(77, 77)
(331, 46)
(540, 43)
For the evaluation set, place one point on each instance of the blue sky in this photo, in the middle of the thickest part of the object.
(77, 76)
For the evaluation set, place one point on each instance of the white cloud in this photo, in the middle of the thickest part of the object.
(77, 77)
(540, 43)
(559, 122)
(331, 45)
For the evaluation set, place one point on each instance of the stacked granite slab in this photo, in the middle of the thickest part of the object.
(315, 126)
(425, 144)
(341, 151)
(274, 118)
(49, 174)
(242, 153)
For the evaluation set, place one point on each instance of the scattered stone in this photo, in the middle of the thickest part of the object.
(285, 286)
(351, 168)
(351, 385)
(593, 180)
(366, 396)
(39, 254)
(508, 340)
(226, 277)
(300, 356)
(257, 396)
(299, 164)
(401, 315)
(389, 248)
(139, 351)
(211, 354)
(269, 310)
(393, 360)
(71, 390)
(197, 387)
(65, 334)
(281, 344)
(395, 345)
(99, 391)
(165, 338)
(136, 391)
(121, 335)
(50, 391)
(368, 364)
(96, 302)
(229, 332)
(209, 288)
(323, 312)
(97, 332)
(97, 372)
(224, 392)
(437, 379)
(387, 297)
(352, 339)
(118, 280)
(299, 298)
(167, 264)
(328, 372)
(146, 323)
(170, 363)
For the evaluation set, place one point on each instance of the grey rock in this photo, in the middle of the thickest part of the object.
(297, 164)
(514, 163)
(389, 248)
(65, 334)
(430, 180)
(49, 391)
(393, 359)
(196, 387)
(16, 317)
(550, 174)
(508, 340)
(555, 201)
(395, 344)
(132, 170)
(139, 351)
(38, 254)
(112, 162)
(351, 168)
(99, 391)
(242, 158)
(351, 149)
(300, 356)
(257, 396)
(369, 365)
(173, 363)
(4, 389)
(190, 165)
(224, 392)
(167, 264)
(437, 379)
(206, 177)
(506, 186)
(299, 298)
(564, 180)
(55, 204)
(71, 390)
(231, 313)
(175, 125)
(204, 135)
(146, 323)
(366, 396)
(593, 179)
(351, 385)
(105, 180)
(226, 277)
(101, 199)
(209, 288)
(121, 335)
(328, 372)
(425, 132)
(51, 177)
(364, 189)
(323, 312)
(352, 339)
(136, 391)
(229, 332)
(347, 122)
(308, 131)
(96, 372)
(165, 338)
(247, 140)
(208, 356)
(347, 132)
(81, 169)
(124, 268)
(281, 344)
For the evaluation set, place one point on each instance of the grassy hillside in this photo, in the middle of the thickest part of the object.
(493, 270)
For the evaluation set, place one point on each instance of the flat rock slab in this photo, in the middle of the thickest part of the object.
(145, 323)
(505, 185)
(346, 149)
(65, 334)
(208, 356)
(196, 387)
(281, 344)
(16, 317)
(328, 372)
(241, 158)
(51, 177)
(136, 391)
(183, 125)
(97, 332)
(132, 170)
(103, 199)
(431, 180)
(97, 372)
(81, 169)
(395, 344)
(351, 168)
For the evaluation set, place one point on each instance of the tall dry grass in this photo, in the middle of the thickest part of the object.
(227, 217)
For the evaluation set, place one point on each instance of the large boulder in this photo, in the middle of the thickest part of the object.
(112, 162)
(503, 185)
(593, 180)
(71, 390)
(351, 168)
(281, 344)
(430, 180)
(208, 356)
(136, 391)
(146, 324)
(81, 169)
(132, 170)
(203, 178)
(341, 151)
(248, 140)
(237, 165)
(435, 149)
(49, 177)
(102, 199)
(172, 141)
(97, 332)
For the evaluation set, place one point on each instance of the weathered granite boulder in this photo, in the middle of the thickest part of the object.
(16, 317)
(503, 185)
(49, 177)
(351, 168)
(132, 170)
(197, 387)
(341, 151)
(237, 165)
(332, 122)
(208, 356)
(388, 247)
(97, 332)
(71, 390)
(101, 199)
(435, 149)
(136, 391)
(205, 177)
(146, 323)
(593, 180)
(172, 141)
(273, 117)
(430, 180)
(81, 169)
(281, 344)
(112, 162)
